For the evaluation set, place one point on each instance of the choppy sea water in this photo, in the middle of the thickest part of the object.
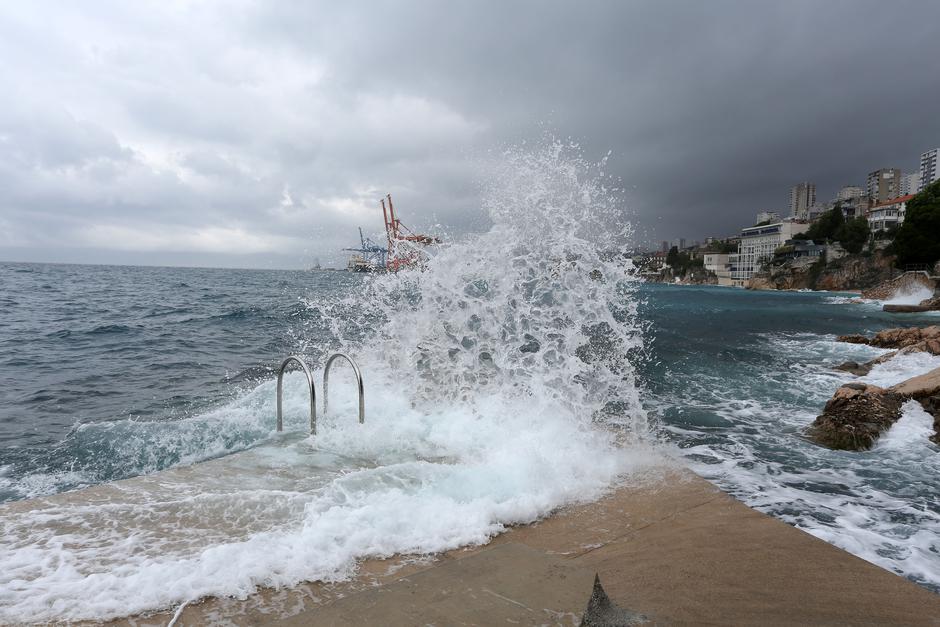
(500, 385)
(520, 372)
(735, 376)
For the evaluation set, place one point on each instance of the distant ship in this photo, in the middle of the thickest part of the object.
(358, 263)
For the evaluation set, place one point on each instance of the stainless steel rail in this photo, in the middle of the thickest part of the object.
(313, 392)
(326, 383)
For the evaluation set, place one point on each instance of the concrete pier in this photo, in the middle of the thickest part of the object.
(673, 548)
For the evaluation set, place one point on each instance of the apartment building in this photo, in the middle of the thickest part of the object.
(884, 185)
(758, 244)
(929, 170)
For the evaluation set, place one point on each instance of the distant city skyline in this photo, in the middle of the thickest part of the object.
(881, 186)
(263, 135)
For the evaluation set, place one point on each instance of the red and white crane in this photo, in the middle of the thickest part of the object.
(403, 243)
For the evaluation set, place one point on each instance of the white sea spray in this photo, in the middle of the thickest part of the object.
(499, 387)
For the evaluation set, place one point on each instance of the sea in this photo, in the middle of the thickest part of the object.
(519, 371)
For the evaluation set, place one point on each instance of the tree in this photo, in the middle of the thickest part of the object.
(672, 256)
(918, 237)
(826, 226)
(853, 234)
(719, 246)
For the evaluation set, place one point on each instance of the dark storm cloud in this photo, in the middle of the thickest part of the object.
(263, 133)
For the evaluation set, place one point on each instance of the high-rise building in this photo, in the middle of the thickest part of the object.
(802, 197)
(665, 246)
(850, 192)
(910, 183)
(929, 168)
(884, 185)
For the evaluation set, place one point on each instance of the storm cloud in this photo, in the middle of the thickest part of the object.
(264, 133)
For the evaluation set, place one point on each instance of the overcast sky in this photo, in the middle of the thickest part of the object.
(261, 134)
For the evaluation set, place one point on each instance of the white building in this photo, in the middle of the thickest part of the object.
(720, 264)
(757, 246)
(929, 168)
(767, 216)
(888, 215)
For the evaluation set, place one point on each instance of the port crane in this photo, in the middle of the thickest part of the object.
(403, 243)
(372, 256)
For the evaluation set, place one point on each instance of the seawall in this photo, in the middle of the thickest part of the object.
(669, 545)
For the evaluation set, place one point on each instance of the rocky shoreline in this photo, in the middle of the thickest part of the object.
(859, 413)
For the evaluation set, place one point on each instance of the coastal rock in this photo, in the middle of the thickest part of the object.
(858, 413)
(855, 272)
(904, 308)
(918, 388)
(855, 416)
(910, 336)
(903, 283)
(795, 274)
(931, 405)
(926, 390)
(917, 339)
(853, 367)
(932, 304)
(853, 339)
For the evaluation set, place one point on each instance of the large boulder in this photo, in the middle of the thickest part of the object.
(855, 416)
(858, 413)
(853, 367)
(920, 387)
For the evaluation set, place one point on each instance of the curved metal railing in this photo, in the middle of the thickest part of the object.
(310, 385)
(326, 383)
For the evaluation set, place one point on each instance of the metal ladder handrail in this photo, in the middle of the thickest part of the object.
(310, 385)
(326, 384)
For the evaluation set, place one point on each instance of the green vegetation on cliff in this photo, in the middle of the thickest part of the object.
(918, 238)
(681, 262)
(832, 226)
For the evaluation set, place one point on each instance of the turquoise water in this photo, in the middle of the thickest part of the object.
(111, 372)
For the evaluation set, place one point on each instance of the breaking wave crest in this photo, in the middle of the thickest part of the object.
(499, 387)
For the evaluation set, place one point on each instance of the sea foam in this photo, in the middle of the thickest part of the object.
(499, 388)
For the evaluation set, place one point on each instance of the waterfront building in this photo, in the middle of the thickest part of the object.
(720, 264)
(929, 168)
(802, 197)
(758, 245)
(850, 193)
(888, 215)
(767, 216)
(884, 185)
